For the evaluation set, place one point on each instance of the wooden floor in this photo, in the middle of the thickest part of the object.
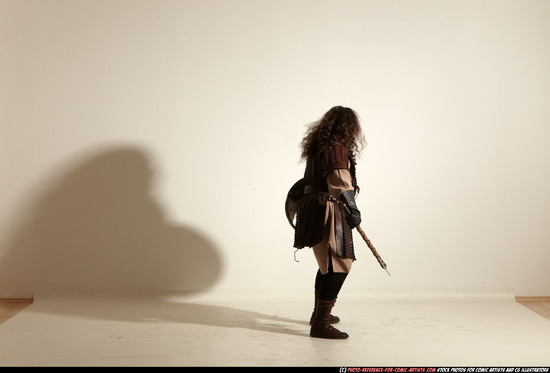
(10, 307)
(540, 305)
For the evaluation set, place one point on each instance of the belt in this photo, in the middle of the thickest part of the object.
(312, 189)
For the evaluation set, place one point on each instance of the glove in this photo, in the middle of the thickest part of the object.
(354, 216)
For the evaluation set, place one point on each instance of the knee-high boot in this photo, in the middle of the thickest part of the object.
(332, 319)
(321, 327)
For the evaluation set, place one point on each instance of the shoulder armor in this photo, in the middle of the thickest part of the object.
(335, 157)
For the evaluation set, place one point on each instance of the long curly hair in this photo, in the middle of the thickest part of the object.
(339, 125)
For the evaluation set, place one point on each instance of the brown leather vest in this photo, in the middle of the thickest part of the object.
(310, 216)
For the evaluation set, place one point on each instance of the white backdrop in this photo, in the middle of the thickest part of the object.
(149, 145)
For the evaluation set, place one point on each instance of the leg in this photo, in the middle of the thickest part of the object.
(331, 285)
(331, 282)
(328, 292)
(319, 280)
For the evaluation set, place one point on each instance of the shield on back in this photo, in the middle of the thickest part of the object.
(293, 199)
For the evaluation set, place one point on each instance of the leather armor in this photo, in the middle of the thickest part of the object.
(311, 211)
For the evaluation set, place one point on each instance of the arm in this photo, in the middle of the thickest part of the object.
(341, 187)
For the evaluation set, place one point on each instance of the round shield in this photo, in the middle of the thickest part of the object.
(293, 199)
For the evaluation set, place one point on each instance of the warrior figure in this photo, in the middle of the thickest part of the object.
(327, 212)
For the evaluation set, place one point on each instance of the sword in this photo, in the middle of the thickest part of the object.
(371, 247)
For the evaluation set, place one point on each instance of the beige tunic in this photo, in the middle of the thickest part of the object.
(338, 180)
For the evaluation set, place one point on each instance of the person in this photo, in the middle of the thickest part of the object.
(327, 212)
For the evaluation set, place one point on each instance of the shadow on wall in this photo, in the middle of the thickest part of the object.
(98, 228)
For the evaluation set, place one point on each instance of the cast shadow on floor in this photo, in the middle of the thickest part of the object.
(96, 226)
(159, 308)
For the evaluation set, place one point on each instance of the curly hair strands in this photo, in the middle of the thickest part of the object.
(340, 125)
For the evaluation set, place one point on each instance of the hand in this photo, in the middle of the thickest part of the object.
(353, 215)
(354, 218)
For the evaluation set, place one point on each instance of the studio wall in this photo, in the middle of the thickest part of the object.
(149, 145)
